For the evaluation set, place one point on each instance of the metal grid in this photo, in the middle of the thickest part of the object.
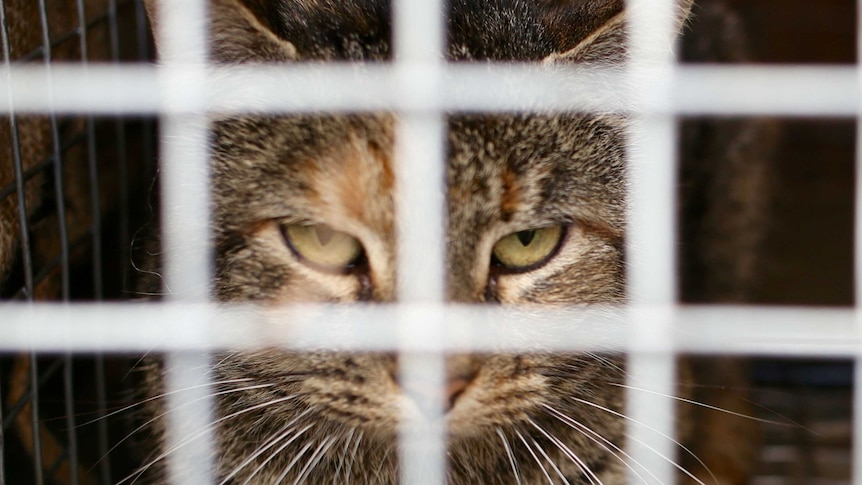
(183, 90)
(80, 32)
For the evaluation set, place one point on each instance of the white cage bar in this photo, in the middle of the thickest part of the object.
(418, 43)
(418, 85)
(182, 36)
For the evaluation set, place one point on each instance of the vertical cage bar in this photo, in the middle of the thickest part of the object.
(59, 194)
(651, 232)
(57, 155)
(98, 285)
(34, 419)
(25, 246)
(24, 230)
(419, 33)
(122, 159)
(181, 34)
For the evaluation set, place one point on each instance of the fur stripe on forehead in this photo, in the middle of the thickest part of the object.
(356, 182)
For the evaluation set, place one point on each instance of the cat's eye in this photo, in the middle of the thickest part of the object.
(525, 250)
(322, 246)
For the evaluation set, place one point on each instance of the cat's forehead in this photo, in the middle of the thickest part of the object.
(500, 168)
(513, 30)
(534, 167)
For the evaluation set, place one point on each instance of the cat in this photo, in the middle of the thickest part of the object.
(303, 210)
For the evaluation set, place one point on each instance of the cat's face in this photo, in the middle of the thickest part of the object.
(305, 211)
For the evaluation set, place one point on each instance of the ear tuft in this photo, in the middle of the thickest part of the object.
(607, 44)
(236, 35)
(607, 41)
(569, 22)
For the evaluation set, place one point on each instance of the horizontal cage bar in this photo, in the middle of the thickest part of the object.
(694, 90)
(776, 331)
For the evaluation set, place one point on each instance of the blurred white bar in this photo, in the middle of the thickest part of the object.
(650, 236)
(418, 41)
(181, 36)
(734, 330)
(791, 91)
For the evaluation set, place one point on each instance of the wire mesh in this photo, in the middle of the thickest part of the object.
(184, 91)
(73, 145)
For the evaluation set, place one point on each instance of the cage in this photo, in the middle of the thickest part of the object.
(84, 102)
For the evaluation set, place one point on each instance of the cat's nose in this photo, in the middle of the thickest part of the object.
(424, 394)
(460, 372)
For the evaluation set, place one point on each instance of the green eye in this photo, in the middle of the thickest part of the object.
(525, 250)
(323, 246)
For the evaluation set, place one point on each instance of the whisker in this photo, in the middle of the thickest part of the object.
(316, 457)
(343, 455)
(353, 456)
(707, 406)
(587, 432)
(209, 427)
(276, 437)
(155, 418)
(160, 396)
(640, 423)
(281, 434)
(538, 462)
(292, 462)
(568, 452)
(667, 459)
(510, 455)
(277, 451)
(380, 466)
(550, 461)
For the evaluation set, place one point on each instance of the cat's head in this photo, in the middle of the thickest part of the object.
(304, 210)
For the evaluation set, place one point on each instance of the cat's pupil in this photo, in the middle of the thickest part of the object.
(526, 237)
(324, 234)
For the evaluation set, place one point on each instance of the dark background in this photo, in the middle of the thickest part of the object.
(808, 249)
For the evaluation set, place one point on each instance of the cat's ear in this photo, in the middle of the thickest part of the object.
(237, 34)
(607, 41)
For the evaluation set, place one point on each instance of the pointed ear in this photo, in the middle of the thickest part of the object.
(607, 43)
(236, 35)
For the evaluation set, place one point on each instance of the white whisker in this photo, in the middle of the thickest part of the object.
(314, 460)
(292, 462)
(280, 435)
(550, 461)
(600, 440)
(164, 394)
(279, 450)
(510, 455)
(343, 455)
(571, 454)
(667, 459)
(349, 472)
(202, 433)
(708, 406)
(640, 423)
(162, 415)
(538, 462)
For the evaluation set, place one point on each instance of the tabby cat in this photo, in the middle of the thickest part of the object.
(304, 211)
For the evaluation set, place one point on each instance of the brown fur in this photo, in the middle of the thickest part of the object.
(506, 173)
